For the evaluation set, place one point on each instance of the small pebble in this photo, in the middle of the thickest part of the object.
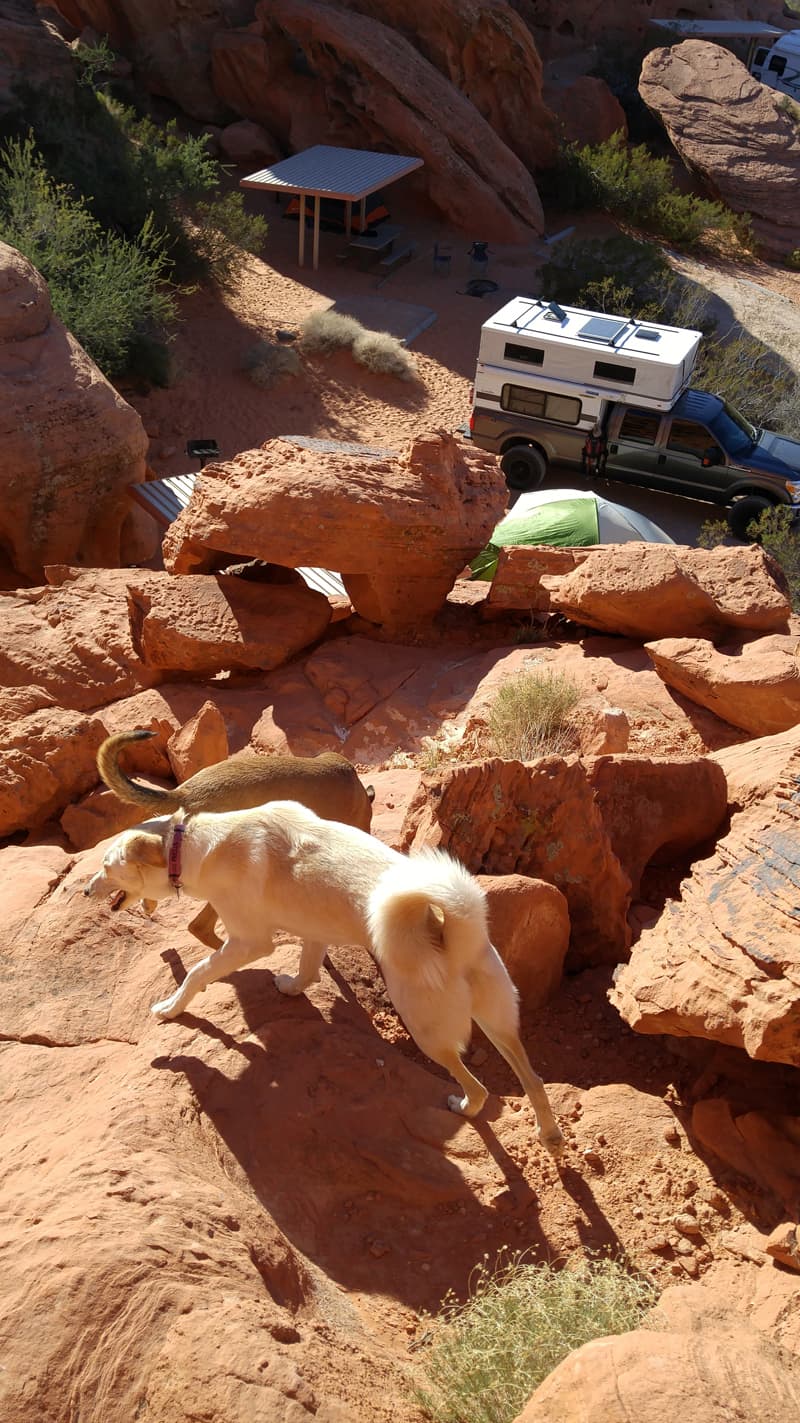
(671, 1134)
(593, 1158)
(687, 1224)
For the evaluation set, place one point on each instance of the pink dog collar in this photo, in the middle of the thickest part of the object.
(174, 860)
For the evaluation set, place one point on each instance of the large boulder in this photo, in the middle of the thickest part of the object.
(398, 528)
(586, 110)
(712, 1374)
(723, 960)
(529, 925)
(47, 757)
(538, 819)
(754, 685)
(733, 131)
(658, 590)
(317, 73)
(71, 444)
(31, 46)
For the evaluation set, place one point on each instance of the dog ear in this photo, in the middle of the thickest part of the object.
(144, 849)
(435, 926)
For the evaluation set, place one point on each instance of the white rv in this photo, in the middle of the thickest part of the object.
(778, 66)
(772, 55)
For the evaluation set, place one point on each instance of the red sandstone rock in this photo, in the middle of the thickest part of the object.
(71, 445)
(369, 87)
(202, 626)
(398, 529)
(713, 1373)
(529, 925)
(541, 819)
(752, 768)
(732, 131)
(761, 1147)
(30, 45)
(784, 1245)
(202, 741)
(518, 580)
(248, 143)
(47, 759)
(723, 961)
(656, 810)
(754, 685)
(654, 590)
(586, 110)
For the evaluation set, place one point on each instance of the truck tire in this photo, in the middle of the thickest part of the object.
(742, 512)
(524, 468)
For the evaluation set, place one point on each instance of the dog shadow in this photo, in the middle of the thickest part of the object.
(349, 1147)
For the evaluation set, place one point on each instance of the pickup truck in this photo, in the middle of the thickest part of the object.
(701, 447)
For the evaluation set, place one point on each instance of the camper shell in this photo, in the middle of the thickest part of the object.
(563, 363)
(778, 66)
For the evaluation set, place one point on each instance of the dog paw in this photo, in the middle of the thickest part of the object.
(166, 1009)
(554, 1143)
(288, 984)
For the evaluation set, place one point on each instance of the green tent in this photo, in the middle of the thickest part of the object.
(561, 522)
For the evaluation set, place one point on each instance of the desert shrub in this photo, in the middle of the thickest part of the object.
(384, 354)
(328, 331)
(488, 1355)
(752, 377)
(109, 290)
(266, 363)
(529, 715)
(778, 535)
(628, 273)
(633, 185)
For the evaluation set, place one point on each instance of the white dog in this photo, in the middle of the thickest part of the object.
(280, 867)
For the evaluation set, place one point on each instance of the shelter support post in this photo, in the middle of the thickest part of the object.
(363, 216)
(317, 203)
(301, 239)
(349, 219)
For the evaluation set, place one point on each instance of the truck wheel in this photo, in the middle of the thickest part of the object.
(742, 512)
(524, 467)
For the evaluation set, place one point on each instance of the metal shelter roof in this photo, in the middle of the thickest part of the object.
(718, 29)
(349, 174)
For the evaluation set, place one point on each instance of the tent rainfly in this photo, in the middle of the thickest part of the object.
(349, 174)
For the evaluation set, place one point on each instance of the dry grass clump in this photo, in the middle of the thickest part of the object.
(327, 331)
(266, 363)
(530, 716)
(384, 355)
(487, 1356)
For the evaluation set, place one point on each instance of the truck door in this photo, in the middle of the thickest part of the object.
(633, 448)
(686, 444)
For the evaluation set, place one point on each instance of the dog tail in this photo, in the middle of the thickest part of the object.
(428, 918)
(159, 801)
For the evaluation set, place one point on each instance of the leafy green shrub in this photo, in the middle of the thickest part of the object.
(778, 535)
(384, 354)
(750, 376)
(222, 232)
(487, 1356)
(630, 272)
(529, 715)
(633, 185)
(108, 290)
(266, 363)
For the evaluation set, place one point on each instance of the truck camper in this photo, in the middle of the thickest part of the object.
(610, 395)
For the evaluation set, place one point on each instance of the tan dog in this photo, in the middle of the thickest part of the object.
(280, 867)
(327, 784)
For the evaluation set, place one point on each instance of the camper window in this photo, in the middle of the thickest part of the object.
(760, 56)
(639, 427)
(610, 370)
(540, 404)
(529, 354)
(689, 438)
(777, 64)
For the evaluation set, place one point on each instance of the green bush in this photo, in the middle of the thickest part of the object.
(636, 187)
(530, 714)
(487, 1356)
(109, 290)
(778, 535)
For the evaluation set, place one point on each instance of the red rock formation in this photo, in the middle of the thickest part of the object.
(540, 820)
(733, 132)
(723, 961)
(71, 444)
(398, 529)
(754, 685)
(586, 110)
(31, 47)
(654, 590)
(529, 925)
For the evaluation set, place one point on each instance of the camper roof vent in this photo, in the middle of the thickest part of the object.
(555, 312)
(648, 335)
(607, 329)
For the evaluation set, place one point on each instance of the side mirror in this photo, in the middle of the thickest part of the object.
(713, 455)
